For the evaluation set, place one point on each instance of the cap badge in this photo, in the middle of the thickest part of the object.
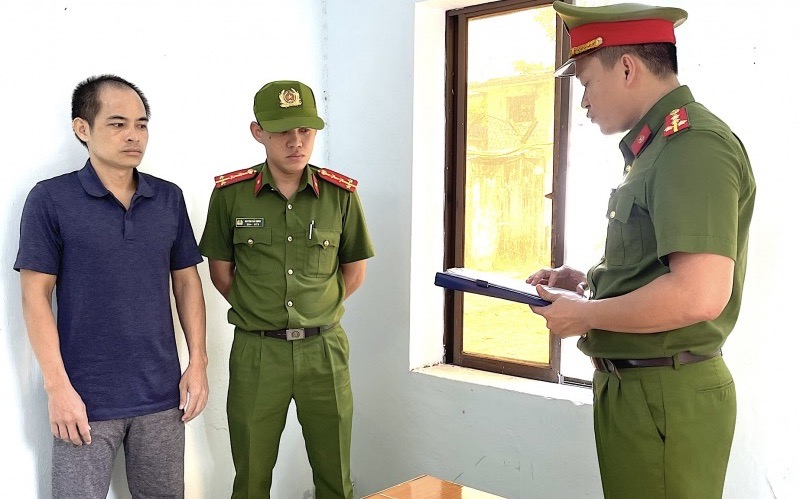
(290, 97)
(592, 44)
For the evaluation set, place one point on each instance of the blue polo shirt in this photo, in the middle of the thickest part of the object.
(113, 285)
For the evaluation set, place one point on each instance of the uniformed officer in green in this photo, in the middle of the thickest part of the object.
(667, 292)
(287, 243)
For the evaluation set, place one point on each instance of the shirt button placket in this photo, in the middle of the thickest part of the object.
(290, 264)
(127, 226)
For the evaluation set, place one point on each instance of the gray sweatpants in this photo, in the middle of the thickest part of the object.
(154, 446)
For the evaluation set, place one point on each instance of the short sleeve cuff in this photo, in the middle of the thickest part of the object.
(697, 244)
(216, 255)
(186, 263)
(21, 264)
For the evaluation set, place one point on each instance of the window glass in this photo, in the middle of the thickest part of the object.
(509, 172)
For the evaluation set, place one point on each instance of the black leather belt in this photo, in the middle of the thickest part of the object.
(292, 334)
(611, 365)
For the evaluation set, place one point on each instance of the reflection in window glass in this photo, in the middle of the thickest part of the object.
(509, 170)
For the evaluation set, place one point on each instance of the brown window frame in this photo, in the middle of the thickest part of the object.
(455, 170)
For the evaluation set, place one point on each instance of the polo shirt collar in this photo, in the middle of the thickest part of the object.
(308, 179)
(94, 187)
(650, 126)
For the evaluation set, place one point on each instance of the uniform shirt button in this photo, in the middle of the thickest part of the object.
(289, 238)
(250, 242)
(290, 272)
(628, 168)
(289, 206)
(612, 214)
(326, 243)
(289, 303)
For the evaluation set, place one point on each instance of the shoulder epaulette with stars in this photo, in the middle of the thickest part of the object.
(338, 179)
(676, 121)
(234, 177)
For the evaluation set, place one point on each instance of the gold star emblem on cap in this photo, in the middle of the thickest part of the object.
(289, 97)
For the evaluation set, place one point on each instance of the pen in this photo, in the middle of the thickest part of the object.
(310, 227)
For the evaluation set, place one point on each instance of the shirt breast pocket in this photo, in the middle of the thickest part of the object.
(624, 237)
(323, 252)
(252, 247)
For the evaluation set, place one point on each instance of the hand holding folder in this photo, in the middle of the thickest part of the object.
(489, 284)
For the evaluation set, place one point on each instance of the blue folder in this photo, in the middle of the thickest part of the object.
(488, 284)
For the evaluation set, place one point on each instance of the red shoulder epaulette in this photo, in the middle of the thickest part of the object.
(234, 177)
(338, 179)
(676, 121)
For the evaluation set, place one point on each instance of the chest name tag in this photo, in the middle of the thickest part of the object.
(249, 222)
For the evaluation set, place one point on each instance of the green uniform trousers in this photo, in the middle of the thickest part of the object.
(664, 432)
(265, 375)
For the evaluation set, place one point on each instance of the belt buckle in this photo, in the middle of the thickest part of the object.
(295, 334)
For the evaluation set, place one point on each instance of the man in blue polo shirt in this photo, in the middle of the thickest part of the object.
(110, 239)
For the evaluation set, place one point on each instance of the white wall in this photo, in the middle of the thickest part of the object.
(735, 76)
(199, 64)
(502, 440)
(381, 83)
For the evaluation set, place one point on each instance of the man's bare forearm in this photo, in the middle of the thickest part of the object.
(353, 274)
(191, 308)
(222, 276)
(37, 295)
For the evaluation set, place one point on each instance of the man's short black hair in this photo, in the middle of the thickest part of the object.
(660, 58)
(85, 101)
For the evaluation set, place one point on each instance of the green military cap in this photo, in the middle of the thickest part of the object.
(283, 105)
(591, 28)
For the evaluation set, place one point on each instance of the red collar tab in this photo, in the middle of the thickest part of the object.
(606, 34)
(234, 177)
(259, 183)
(338, 179)
(641, 140)
(315, 185)
(676, 121)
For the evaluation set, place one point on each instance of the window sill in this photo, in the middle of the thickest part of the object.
(575, 394)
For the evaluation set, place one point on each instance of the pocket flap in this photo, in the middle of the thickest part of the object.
(252, 235)
(324, 238)
(619, 207)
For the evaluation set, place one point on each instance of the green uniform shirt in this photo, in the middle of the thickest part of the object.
(688, 188)
(287, 252)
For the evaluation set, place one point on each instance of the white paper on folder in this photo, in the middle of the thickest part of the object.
(495, 279)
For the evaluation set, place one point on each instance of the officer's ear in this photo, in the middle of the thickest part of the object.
(258, 133)
(629, 66)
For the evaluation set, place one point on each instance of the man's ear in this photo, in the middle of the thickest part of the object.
(82, 129)
(257, 132)
(630, 67)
